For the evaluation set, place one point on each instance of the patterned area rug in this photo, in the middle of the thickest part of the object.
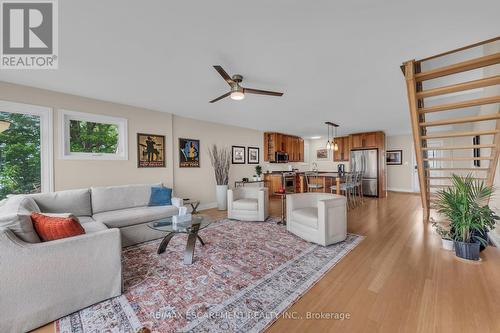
(244, 277)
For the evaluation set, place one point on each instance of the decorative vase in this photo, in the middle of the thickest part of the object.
(255, 179)
(447, 244)
(221, 194)
(469, 251)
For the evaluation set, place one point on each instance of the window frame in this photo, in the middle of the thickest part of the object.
(66, 116)
(46, 138)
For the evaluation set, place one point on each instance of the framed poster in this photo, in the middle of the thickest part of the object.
(238, 154)
(322, 154)
(253, 155)
(150, 150)
(189, 153)
(394, 157)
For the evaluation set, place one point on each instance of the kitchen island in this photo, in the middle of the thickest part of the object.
(325, 179)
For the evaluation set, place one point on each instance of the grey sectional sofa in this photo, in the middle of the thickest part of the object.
(43, 281)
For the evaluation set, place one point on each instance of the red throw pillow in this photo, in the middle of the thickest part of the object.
(51, 228)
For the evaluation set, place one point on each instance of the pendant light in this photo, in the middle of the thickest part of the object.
(335, 145)
(332, 144)
(328, 143)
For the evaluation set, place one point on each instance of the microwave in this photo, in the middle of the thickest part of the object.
(281, 157)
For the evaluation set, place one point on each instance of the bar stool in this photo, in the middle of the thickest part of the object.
(359, 185)
(311, 177)
(346, 188)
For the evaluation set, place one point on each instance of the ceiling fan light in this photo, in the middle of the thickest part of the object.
(237, 95)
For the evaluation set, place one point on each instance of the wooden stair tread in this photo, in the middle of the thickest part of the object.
(484, 158)
(464, 86)
(460, 147)
(461, 120)
(458, 134)
(478, 178)
(458, 169)
(463, 66)
(461, 104)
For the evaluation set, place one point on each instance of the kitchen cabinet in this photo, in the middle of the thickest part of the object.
(277, 142)
(366, 140)
(342, 154)
(274, 183)
(372, 140)
(301, 150)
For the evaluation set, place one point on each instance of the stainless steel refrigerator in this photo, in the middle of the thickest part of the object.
(366, 160)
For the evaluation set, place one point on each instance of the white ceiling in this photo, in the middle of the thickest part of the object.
(335, 60)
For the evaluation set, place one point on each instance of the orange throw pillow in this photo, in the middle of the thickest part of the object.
(51, 228)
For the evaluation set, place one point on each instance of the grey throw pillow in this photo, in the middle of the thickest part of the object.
(15, 215)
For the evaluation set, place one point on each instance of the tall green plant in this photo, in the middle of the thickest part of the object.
(465, 204)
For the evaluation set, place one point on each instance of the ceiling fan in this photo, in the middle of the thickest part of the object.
(237, 92)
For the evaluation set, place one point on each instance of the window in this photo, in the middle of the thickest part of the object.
(25, 149)
(91, 136)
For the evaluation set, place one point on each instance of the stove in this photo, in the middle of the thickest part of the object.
(288, 181)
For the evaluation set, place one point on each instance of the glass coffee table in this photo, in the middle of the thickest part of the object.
(191, 227)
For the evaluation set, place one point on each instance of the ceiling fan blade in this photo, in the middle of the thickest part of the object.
(262, 92)
(220, 97)
(224, 75)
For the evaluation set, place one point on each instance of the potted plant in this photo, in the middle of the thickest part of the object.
(221, 161)
(258, 171)
(465, 204)
(446, 237)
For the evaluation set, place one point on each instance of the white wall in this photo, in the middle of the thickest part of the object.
(69, 174)
(400, 177)
(196, 183)
(323, 165)
(199, 182)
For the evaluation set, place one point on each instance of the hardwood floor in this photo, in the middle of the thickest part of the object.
(398, 279)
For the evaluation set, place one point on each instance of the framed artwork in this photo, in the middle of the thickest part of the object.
(150, 150)
(322, 154)
(394, 157)
(253, 155)
(189, 153)
(238, 154)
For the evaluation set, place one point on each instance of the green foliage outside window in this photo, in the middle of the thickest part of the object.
(20, 155)
(90, 137)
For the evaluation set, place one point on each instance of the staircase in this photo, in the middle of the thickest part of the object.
(454, 102)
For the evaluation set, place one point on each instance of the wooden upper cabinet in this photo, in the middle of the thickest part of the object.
(366, 140)
(356, 141)
(370, 139)
(277, 142)
(342, 154)
(301, 150)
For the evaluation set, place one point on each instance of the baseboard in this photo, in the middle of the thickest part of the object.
(405, 190)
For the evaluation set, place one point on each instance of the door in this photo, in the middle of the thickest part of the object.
(370, 168)
(370, 163)
(356, 160)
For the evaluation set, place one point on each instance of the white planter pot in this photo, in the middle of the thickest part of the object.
(447, 244)
(221, 194)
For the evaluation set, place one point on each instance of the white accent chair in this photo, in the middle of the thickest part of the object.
(248, 203)
(320, 218)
